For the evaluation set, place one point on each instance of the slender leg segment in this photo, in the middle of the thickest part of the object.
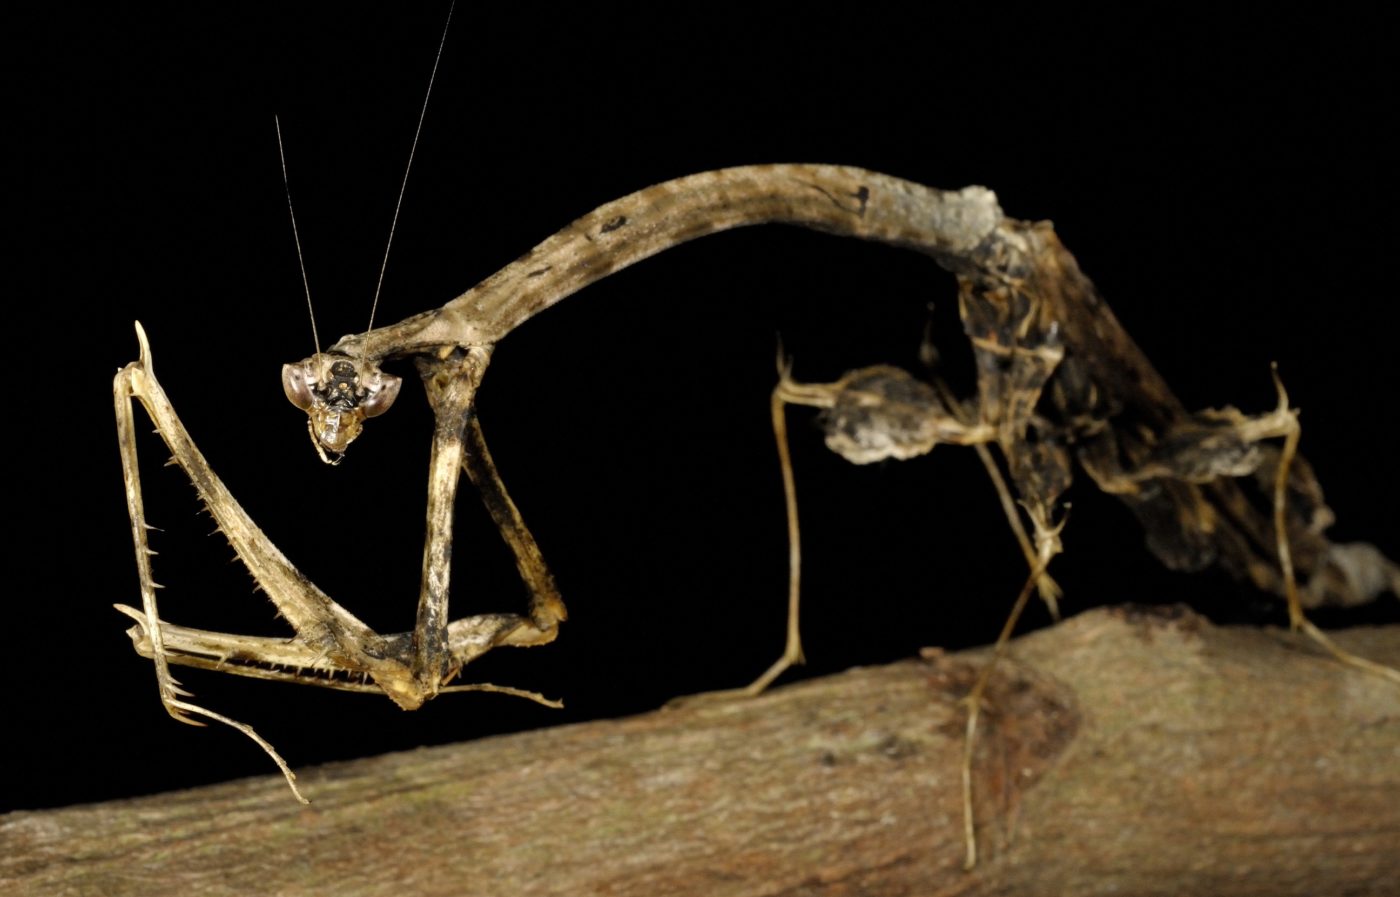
(451, 380)
(784, 393)
(441, 649)
(1298, 621)
(546, 606)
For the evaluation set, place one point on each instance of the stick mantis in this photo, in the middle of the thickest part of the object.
(1058, 382)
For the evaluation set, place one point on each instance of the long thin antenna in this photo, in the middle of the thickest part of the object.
(296, 238)
(409, 167)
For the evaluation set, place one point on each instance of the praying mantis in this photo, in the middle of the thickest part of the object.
(471, 597)
(1058, 383)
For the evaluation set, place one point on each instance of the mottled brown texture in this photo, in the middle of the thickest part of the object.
(950, 225)
(1132, 752)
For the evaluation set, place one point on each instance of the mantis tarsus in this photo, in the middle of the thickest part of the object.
(1058, 383)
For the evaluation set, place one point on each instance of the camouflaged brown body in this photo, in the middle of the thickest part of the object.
(1057, 379)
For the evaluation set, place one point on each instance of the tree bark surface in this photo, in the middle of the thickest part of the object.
(1124, 751)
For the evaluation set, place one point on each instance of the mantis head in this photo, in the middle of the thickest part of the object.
(338, 392)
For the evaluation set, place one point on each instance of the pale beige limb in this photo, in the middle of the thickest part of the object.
(1050, 591)
(288, 660)
(973, 701)
(1296, 618)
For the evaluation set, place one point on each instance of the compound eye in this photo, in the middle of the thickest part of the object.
(382, 395)
(296, 383)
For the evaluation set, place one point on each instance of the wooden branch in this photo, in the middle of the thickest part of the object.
(1135, 751)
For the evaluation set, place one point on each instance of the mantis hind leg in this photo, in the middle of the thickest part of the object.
(1298, 621)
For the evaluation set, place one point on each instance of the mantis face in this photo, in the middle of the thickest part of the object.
(337, 393)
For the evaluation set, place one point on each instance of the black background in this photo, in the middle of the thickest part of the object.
(1228, 184)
